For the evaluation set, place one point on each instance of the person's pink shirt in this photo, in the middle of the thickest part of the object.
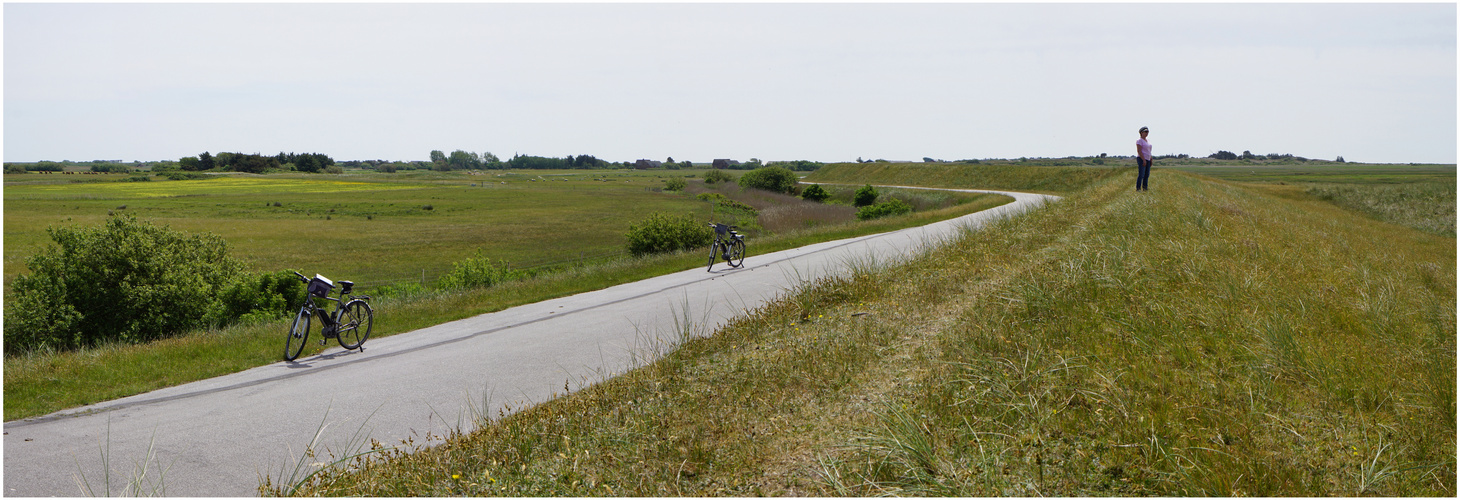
(1145, 148)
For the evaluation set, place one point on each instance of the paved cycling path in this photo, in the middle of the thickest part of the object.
(219, 437)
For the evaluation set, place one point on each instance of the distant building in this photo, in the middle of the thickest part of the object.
(725, 163)
(644, 164)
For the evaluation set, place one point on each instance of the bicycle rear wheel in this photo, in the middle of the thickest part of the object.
(737, 253)
(298, 333)
(356, 318)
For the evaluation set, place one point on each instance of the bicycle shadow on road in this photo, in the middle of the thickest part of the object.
(331, 356)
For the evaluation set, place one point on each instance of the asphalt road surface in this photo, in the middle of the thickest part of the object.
(220, 437)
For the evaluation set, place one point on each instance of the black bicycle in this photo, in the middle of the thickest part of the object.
(349, 324)
(728, 244)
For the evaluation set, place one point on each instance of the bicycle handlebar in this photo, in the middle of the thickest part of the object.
(301, 276)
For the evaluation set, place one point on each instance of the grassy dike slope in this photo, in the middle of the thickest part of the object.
(1203, 338)
(1000, 175)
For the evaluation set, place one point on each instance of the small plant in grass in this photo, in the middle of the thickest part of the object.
(716, 176)
(725, 203)
(477, 272)
(667, 233)
(894, 206)
(675, 184)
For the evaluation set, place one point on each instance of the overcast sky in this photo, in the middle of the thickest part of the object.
(825, 82)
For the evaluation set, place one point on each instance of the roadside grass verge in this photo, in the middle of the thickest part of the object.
(1201, 339)
(41, 383)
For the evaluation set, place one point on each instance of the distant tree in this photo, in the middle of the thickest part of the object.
(206, 161)
(255, 164)
(929, 160)
(189, 163)
(115, 168)
(462, 160)
(224, 160)
(1223, 155)
(1340, 160)
(490, 160)
(1247, 155)
(438, 160)
(307, 163)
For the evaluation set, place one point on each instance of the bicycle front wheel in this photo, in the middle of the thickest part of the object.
(356, 318)
(714, 252)
(737, 253)
(298, 333)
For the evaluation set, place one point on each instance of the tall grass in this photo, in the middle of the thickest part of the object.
(1428, 206)
(1200, 339)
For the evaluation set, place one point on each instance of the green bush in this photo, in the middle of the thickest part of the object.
(127, 281)
(45, 166)
(727, 204)
(477, 272)
(675, 184)
(113, 168)
(268, 295)
(11, 168)
(865, 196)
(717, 175)
(667, 233)
(178, 175)
(815, 193)
(890, 207)
(774, 179)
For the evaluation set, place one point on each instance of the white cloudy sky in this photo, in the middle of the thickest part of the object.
(827, 82)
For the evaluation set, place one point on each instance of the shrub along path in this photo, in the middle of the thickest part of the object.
(220, 436)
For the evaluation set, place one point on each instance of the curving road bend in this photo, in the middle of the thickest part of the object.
(219, 437)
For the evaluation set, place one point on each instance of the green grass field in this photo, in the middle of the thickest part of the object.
(370, 228)
(575, 219)
(1205, 338)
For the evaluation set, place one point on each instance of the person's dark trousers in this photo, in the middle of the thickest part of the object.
(1144, 173)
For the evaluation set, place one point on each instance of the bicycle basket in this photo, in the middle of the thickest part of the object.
(320, 286)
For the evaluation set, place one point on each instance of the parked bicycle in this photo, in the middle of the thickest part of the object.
(728, 244)
(349, 324)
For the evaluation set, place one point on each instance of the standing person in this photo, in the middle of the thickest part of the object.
(1143, 160)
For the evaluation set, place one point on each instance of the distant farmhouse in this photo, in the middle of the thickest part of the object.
(644, 164)
(725, 163)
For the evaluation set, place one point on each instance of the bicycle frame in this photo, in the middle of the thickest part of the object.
(724, 245)
(353, 310)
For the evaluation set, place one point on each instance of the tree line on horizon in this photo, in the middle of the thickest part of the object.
(466, 160)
